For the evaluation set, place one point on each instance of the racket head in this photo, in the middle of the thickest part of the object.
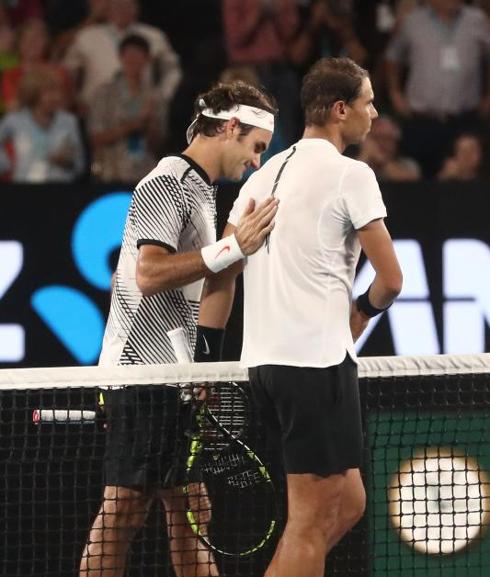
(236, 485)
(224, 471)
(226, 408)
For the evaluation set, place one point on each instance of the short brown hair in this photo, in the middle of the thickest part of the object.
(223, 97)
(328, 81)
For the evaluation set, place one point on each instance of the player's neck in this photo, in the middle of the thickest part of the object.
(204, 154)
(327, 133)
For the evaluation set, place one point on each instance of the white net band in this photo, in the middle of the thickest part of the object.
(369, 367)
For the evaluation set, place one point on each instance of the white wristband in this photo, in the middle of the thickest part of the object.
(222, 254)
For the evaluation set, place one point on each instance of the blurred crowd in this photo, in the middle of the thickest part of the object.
(101, 89)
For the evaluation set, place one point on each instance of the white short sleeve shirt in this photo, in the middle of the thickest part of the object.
(298, 285)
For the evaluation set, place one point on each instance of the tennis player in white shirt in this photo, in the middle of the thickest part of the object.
(300, 322)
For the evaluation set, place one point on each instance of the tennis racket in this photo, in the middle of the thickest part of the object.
(238, 484)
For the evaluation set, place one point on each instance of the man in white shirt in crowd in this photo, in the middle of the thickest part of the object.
(93, 57)
(442, 49)
(300, 322)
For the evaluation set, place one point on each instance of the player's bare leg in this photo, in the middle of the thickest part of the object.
(122, 513)
(313, 508)
(351, 509)
(190, 557)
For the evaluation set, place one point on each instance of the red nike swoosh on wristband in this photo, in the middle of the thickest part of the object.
(226, 247)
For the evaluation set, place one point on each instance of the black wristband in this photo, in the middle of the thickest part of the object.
(209, 345)
(363, 305)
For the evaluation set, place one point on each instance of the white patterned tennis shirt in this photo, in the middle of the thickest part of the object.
(173, 207)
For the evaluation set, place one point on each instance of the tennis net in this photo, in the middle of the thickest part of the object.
(426, 470)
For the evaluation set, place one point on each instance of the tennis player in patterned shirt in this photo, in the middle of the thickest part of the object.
(169, 247)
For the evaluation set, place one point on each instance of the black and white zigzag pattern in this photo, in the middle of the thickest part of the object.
(176, 208)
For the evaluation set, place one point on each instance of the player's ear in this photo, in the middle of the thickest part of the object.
(232, 128)
(339, 109)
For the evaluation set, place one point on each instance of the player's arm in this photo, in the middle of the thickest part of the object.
(158, 270)
(216, 304)
(377, 245)
(219, 292)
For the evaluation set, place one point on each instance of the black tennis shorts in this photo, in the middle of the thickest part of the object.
(316, 412)
(147, 437)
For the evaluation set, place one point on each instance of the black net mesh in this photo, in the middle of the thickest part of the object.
(427, 475)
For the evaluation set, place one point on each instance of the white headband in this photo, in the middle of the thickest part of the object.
(245, 114)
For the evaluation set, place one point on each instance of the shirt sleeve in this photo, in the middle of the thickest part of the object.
(362, 195)
(160, 212)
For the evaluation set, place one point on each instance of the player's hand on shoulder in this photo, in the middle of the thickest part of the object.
(255, 224)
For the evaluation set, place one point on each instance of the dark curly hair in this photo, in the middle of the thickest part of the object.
(223, 97)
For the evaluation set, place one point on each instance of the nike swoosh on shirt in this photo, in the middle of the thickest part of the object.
(225, 248)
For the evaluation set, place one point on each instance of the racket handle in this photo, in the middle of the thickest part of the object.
(180, 345)
(68, 416)
(178, 339)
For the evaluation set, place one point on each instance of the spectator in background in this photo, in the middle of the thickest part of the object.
(259, 33)
(380, 150)
(8, 56)
(33, 53)
(127, 118)
(375, 22)
(45, 139)
(326, 30)
(97, 14)
(466, 161)
(7, 41)
(445, 45)
(59, 19)
(21, 11)
(203, 58)
(93, 57)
